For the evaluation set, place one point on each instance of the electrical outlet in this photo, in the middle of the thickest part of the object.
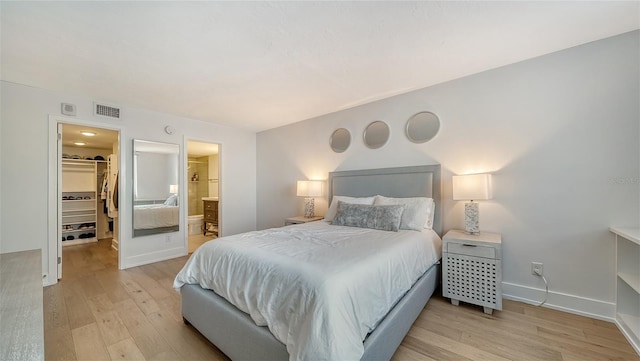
(537, 268)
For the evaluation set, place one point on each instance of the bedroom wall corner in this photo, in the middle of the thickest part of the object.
(557, 132)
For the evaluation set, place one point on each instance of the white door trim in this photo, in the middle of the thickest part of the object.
(185, 184)
(53, 194)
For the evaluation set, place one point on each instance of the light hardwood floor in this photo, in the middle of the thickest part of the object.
(197, 240)
(97, 312)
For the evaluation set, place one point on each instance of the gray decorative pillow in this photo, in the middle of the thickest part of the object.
(385, 218)
(415, 215)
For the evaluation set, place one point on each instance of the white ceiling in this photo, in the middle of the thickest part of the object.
(103, 138)
(259, 65)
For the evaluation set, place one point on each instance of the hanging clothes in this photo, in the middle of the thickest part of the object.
(112, 186)
(105, 186)
(104, 192)
(115, 192)
(112, 201)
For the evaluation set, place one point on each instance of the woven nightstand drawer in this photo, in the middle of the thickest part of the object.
(472, 279)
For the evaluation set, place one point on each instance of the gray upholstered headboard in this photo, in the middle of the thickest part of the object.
(418, 181)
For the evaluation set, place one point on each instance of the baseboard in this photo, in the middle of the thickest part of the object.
(629, 334)
(153, 257)
(578, 305)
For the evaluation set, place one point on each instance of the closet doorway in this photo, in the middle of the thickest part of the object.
(203, 193)
(87, 192)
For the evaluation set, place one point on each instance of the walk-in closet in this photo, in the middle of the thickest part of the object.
(88, 186)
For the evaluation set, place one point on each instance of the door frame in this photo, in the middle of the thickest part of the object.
(185, 185)
(54, 193)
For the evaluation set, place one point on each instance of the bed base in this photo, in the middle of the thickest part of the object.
(149, 231)
(235, 333)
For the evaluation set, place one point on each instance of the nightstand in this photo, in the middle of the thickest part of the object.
(301, 219)
(472, 269)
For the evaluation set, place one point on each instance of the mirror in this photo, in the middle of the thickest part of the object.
(156, 205)
(340, 140)
(422, 127)
(376, 134)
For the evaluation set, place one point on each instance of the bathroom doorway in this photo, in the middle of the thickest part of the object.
(203, 193)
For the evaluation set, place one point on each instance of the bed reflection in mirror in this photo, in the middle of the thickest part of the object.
(156, 204)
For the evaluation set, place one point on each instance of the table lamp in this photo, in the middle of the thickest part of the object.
(469, 188)
(309, 189)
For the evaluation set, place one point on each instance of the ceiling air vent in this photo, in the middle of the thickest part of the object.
(106, 111)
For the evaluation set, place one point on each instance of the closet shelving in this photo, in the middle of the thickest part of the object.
(628, 283)
(79, 202)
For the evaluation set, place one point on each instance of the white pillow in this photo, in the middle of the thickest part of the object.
(172, 200)
(430, 214)
(418, 212)
(333, 208)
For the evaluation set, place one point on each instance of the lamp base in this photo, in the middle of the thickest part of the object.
(308, 208)
(471, 216)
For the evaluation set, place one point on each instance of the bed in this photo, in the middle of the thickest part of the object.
(233, 329)
(155, 218)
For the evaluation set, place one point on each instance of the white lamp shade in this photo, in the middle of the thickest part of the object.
(173, 188)
(309, 189)
(472, 187)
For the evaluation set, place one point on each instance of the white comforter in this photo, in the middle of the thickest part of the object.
(319, 288)
(154, 215)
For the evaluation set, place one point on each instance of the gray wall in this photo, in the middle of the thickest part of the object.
(560, 133)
